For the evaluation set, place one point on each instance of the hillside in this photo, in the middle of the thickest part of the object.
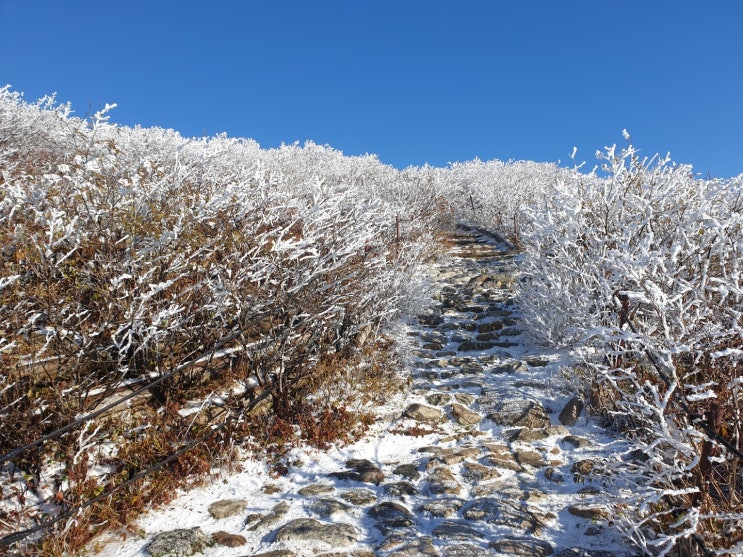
(169, 305)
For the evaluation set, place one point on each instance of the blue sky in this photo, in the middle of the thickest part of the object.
(411, 81)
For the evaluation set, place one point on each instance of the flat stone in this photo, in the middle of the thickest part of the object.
(570, 413)
(359, 497)
(260, 521)
(361, 470)
(503, 513)
(516, 366)
(316, 489)
(457, 530)
(474, 346)
(589, 512)
(400, 489)
(227, 508)
(411, 546)
(554, 475)
(467, 550)
(464, 416)
(327, 508)
(276, 553)
(490, 327)
(409, 471)
(475, 472)
(464, 398)
(577, 442)
(228, 540)
(438, 399)
(526, 547)
(515, 412)
(442, 482)
(423, 413)
(580, 552)
(303, 529)
(181, 542)
(442, 508)
(391, 516)
(530, 458)
(527, 435)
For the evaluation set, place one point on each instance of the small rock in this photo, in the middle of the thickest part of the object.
(362, 470)
(359, 497)
(589, 512)
(400, 489)
(179, 543)
(577, 442)
(390, 516)
(554, 475)
(227, 508)
(276, 553)
(316, 489)
(467, 550)
(415, 547)
(526, 547)
(228, 540)
(410, 471)
(326, 508)
(442, 482)
(438, 399)
(423, 413)
(515, 366)
(442, 507)
(303, 529)
(581, 469)
(473, 346)
(457, 530)
(475, 472)
(530, 458)
(571, 411)
(464, 398)
(260, 521)
(464, 416)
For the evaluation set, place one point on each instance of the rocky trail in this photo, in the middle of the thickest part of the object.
(487, 454)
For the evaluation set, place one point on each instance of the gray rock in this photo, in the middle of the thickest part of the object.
(443, 508)
(515, 366)
(554, 475)
(316, 489)
(438, 399)
(474, 346)
(361, 470)
(423, 413)
(571, 411)
(577, 442)
(391, 516)
(527, 435)
(410, 471)
(580, 552)
(504, 513)
(327, 508)
(588, 511)
(475, 472)
(227, 508)
(182, 542)
(303, 529)
(467, 550)
(359, 497)
(526, 547)
(260, 521)
(516, 412)
(411, 547)
(457, 530)
(400, 489)
(464, 416)
(442, 482)
(276, 553)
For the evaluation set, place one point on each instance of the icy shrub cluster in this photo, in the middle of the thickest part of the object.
(642, 268)
(129, 254)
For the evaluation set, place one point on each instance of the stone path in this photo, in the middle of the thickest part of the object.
(492, 456)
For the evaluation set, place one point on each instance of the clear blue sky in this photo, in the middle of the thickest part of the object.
(411, 81)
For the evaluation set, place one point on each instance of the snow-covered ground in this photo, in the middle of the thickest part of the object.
(498, 474)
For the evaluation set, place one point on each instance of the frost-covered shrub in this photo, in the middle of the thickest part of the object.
(643, 269)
